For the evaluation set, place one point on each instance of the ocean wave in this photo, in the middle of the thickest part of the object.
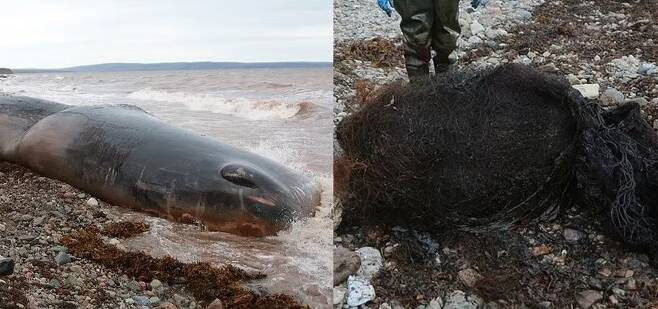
(241, 107)
(273, 85)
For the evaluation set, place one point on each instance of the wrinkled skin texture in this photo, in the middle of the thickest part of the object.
(129, 158)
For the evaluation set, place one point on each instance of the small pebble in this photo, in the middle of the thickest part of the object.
(92, 202)
(6, 266)
(62, 258)
(155, 284)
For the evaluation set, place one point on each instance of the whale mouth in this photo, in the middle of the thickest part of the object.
(262, 200)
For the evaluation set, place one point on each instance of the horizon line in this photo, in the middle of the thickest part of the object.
(176, 62)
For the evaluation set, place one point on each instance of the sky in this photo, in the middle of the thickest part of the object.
(57, 34)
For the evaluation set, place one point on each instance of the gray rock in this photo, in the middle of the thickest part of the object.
(493, 61)
(522, 15)
(58, 249)
(492, 33)
(476, 27)
(635, 263)
(62, 258)
(339, 296)
(216, 304)
(346, 263)
(573, 79)
(475, 40)
(436, 303)
(26, 237)
(141, 300)
(166, 305)
(595, 284)
(6, 266)
(571, 235)
(619, 292)
(590, 91)
(92, 202)
(459, 300)
(492, 44)
(631, 284)
(77, 269)
(469, 276)
(646, 67)
(154, 300)
(546, 305)
(385, 306)
(53, 284)
(524, 59)
(73, 281)
(180, 300)
(588, 298)
(371, 262)
(639, 100)
(359, 291)
(38, 221)
(155, 284)
(625, 67)
(611, 97)
(550, 68)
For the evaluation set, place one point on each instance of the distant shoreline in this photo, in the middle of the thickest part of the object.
(177, 66)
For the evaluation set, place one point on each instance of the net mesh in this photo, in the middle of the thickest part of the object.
(490, 149)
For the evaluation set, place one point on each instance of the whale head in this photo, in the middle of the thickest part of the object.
(268, 198)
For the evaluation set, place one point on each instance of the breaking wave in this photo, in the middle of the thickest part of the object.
(241, 107)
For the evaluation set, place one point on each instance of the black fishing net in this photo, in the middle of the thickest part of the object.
(490, 149)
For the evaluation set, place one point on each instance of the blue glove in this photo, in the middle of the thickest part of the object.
(387, 6)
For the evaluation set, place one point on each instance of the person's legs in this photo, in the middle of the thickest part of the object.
(445, 31)
(416, 26)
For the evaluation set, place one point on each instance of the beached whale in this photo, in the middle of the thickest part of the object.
(127, 157)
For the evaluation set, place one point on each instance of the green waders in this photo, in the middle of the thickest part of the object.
(427, 25)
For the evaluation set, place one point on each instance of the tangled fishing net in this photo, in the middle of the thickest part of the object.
(487, 150)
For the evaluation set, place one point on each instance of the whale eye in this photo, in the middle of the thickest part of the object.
(238, 175)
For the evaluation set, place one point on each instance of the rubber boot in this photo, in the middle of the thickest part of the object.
(416, 25)
(417, 73)
(443, 63)
(445, 32)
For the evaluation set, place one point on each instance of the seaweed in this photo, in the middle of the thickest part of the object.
(205, 282)
(124, 229)
(380, 51)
